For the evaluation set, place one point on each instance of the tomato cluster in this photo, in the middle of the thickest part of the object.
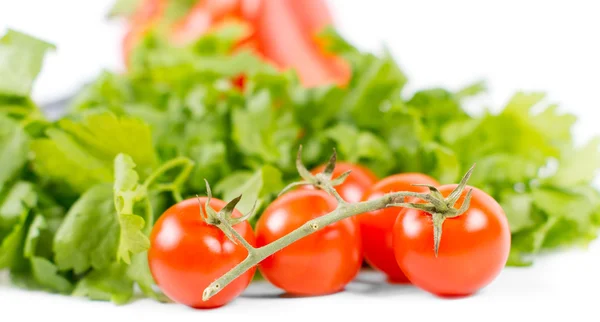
(187, 254)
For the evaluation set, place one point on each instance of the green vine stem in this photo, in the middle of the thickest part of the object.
(435, 204)
(175, 186)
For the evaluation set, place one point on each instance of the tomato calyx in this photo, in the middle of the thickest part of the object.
(322, 180)
(441, 208)
(224, 218)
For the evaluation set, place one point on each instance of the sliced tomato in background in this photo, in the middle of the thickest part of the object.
(143, 19)
(203, 17)
(282, 31)
(285, 39)
(312, 15)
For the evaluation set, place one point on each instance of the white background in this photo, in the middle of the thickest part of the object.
(550, 46)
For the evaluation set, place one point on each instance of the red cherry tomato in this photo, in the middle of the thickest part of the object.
(376, 226)
(320, 263)
(357, 183)
(473, 250)
(187, 254)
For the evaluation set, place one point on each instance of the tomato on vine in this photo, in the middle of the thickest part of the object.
(186, 254)
(465, 254)
(376, 226)
(321, 263)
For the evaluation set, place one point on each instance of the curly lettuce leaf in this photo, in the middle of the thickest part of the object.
(127, 192)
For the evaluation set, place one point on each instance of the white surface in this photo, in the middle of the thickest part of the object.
(551, 46)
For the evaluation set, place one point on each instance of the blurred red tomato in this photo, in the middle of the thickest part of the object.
(283, 32)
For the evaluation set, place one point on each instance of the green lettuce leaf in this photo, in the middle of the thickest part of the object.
(361, 147)
(259, 187)
(20, 198)
(14, 146)
(81, 153)
(265, 133)
(11, 246)
(21, 58)
(89, 235)
(108, 284)
(43, 271)
(127, 192)
(139, 272)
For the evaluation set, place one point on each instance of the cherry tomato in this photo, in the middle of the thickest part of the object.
(357, 183)
(187, 254)
(473, 250)
(320, 263)
(376, 226)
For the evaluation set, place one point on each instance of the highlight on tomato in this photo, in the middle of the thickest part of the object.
(321, 263)
(187, 254)
(355, 185)
(473, 247)
(376, 227)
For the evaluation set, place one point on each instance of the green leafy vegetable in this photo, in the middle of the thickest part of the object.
(13, 150)
(127, 192)
(89, 236)
(108, 284)
(256, 188)
(12, 244)
(81, 153)
(22, 57)
(44, 271)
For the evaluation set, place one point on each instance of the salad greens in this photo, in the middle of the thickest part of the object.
(79, 195)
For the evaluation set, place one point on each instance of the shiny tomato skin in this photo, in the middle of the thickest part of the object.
(321, 263)
(357, 183)
(187, 254)
(473, 250)
(376, 227)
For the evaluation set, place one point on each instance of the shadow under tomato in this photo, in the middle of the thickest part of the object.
(369, 283)
(373, 283)
(271, 292)
(455, 296)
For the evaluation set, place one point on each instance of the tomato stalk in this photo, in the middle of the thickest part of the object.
(440, 208)
(436, 205)
(174, 187)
